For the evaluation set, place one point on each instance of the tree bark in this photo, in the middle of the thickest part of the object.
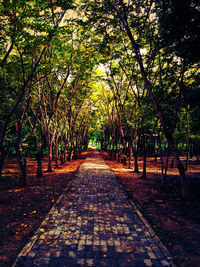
(144, 174)
(49, 143)
(39, 157)
(148, 86)
(20, 159)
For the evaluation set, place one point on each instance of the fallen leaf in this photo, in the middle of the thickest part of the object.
(32, 212)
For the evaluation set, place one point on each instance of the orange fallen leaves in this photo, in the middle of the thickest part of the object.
(17, 237)
(24, 225)
(3, 257)
(34, 211)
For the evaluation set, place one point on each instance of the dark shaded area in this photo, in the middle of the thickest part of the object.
(22, 210)
(175, 221)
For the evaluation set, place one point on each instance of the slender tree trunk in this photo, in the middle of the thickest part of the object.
(65, 150)
(71, 148)
(135, 149)
(70, 154)
(124, 160)
(56, 152)
(187, 157)
(172, 163)
(20, 159)
(50, 169)
(148, 86)
(144, 174)
(165, 174)
(161, 155)
(117, 147)
(49, 143)
(39, 157)
(75, 151)
(2, 160)
(62, 156)
(136, 169)
(155, 149)
(129, 153)
(191, 151)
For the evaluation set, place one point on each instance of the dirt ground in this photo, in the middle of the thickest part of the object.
(175, 221)
(23, 209)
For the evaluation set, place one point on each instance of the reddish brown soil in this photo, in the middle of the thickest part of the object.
(176, 222)
(23, 209)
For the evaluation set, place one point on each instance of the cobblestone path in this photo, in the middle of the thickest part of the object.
(94, 224)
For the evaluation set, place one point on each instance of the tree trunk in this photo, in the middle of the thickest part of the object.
(144, 174)
(187, 157)
(2, 160)
(172, 163)
(118, 149)
(124, 159)
(50, 169)
(69, 158)
(39, 157)
(135, 149)
(161, 155)
(148, 86)
(136, 169)
(49, 145)
(129, 153)
(62, 156)
(56, 152)
(165, 174)
(70, 154)
(21, 161)
(65, 150)
(116, 146)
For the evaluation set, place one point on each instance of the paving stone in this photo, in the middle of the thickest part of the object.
(94, 223)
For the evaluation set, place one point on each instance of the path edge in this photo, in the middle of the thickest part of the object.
(30, 243)
(160, 244)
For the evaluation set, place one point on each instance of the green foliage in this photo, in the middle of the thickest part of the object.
(179, 27)
(50, 76)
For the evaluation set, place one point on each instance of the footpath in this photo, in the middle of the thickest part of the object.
(94, 223)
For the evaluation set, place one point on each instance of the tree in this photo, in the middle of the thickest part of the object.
(29, 28)
(139, 22)
(179, 28)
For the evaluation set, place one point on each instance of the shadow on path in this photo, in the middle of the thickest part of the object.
(94, 224)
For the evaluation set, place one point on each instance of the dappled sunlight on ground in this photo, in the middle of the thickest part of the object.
(122, 170)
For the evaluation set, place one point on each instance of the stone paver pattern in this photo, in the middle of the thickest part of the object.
(94, 223)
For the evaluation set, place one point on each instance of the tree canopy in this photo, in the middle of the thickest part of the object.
(121, 73)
